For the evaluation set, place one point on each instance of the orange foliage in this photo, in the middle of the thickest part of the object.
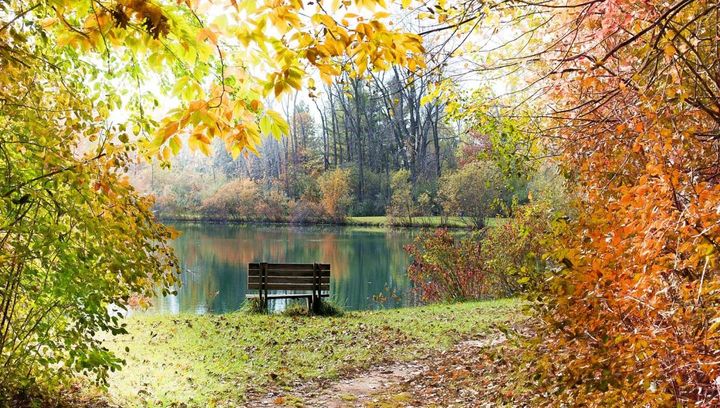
(633, 318)
(335, 187)
(236, 198)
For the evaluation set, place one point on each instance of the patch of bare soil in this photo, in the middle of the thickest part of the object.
(473, 373)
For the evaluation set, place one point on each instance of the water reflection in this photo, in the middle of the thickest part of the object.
(366, 262)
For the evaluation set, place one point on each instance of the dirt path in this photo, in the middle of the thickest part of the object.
(398, 384)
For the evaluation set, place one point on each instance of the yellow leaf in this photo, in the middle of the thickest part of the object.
(47, 22)
(205, 149)
(175, 145)
(669, 50)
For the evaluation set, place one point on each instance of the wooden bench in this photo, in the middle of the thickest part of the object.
(313, 278)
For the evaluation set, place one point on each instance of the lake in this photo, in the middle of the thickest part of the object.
(368, 265)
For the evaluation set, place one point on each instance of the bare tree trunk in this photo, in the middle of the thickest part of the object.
(436, 140)
(361, 156)
(294, 128)
(326, 161)
(334, 129)
(394, 116)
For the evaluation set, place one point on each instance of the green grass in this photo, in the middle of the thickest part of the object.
(434, 221)
(216, 359)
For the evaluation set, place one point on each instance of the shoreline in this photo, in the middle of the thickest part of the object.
(369, 221)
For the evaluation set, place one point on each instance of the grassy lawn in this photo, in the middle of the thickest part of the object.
(435, 221)
(216, 359)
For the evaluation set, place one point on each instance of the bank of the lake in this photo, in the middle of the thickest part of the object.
(421, 222)
(207, 360)
(369, 221)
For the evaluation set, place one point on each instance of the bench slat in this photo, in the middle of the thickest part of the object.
(286, 295)
(285, 265)
(289, 267)
(256, 272)
(288, 279)
(287, 286)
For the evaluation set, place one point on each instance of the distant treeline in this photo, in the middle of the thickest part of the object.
(368, 147)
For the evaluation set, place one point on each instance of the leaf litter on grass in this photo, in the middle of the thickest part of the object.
(477, 371)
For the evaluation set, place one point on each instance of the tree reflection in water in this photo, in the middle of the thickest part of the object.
(368, 264)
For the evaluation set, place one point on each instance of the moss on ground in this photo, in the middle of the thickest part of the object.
(216, 360)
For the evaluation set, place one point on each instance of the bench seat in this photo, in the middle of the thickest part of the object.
(285, 295)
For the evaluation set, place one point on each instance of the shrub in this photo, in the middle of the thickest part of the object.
(402, 207)
(477, 190)
(514, 250)
(273, 205)
(445, 268)
(330, 308)
(301, 184)
(253, 305)
(177, 193)
(166, 204)
(236, 198)
(305, 211)
(499, 261)
(335, 189)
(376, 193)
(71, 245)
(327, 308)
(425, 203)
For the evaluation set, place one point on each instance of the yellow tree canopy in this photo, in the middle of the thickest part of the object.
(218, 61)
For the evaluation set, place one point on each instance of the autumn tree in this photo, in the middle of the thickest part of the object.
(76, 238)
(646, 146)
(625, 93)
(335, 189)
(235, 199)
(402, 207)
(477, 191)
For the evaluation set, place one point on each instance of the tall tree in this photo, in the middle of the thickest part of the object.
(626, 93)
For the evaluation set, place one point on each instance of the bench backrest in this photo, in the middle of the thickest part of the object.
(306, 277)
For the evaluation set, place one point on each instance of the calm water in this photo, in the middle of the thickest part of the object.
(368, 264)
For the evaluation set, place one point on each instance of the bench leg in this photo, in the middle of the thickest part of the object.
(316, 304)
